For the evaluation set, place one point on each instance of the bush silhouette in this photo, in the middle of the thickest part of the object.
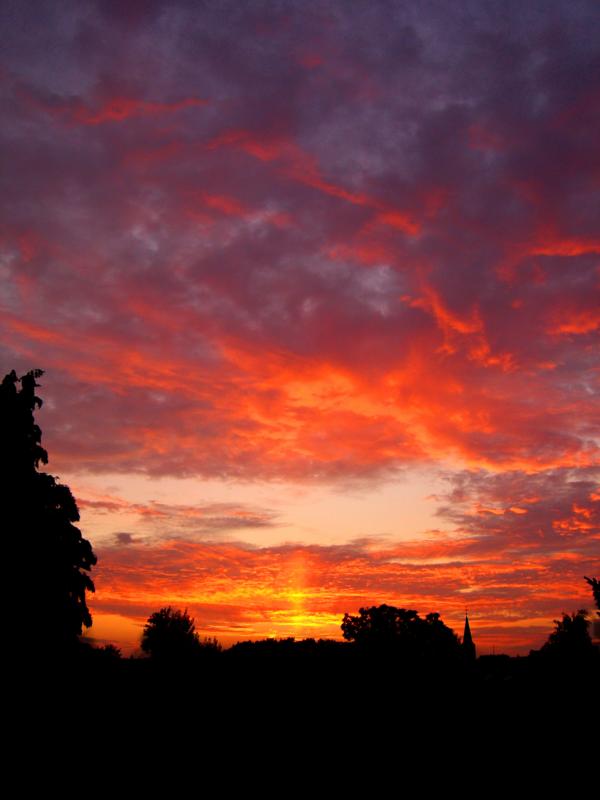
(49, 557)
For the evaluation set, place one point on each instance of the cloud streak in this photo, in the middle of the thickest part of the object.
(170, 520)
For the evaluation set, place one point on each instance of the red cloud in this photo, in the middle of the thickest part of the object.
(579, 321)
(301, 167)
(115, 109)
(120, 108)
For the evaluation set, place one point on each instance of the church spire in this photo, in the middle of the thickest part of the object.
(467, 642)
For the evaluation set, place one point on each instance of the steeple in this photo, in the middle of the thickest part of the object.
(467, 642)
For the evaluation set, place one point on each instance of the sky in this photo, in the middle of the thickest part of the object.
(316, 291)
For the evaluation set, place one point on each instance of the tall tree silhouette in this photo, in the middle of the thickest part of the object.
(595, 584)
(49, 558)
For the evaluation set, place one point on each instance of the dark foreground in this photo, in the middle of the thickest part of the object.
(286, 722)
(322, 682)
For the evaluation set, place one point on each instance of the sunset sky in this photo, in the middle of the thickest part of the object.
(316, 290)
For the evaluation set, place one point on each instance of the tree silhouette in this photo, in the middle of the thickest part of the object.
(388, 630)
(570, 639)
(170, 635)
(595, 584)
(48, 555)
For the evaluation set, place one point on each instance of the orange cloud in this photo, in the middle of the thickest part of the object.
(446, 319)
(280, 413)
(576, 322)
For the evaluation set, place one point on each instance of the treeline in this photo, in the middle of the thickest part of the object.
(379, 641)
(394, 666)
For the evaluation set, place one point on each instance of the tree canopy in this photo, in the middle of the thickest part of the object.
(570, 641)
(402, 632)
(50, 557)
(570, 638)
(170, 634)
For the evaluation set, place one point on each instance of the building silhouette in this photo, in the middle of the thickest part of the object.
(467, 642)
